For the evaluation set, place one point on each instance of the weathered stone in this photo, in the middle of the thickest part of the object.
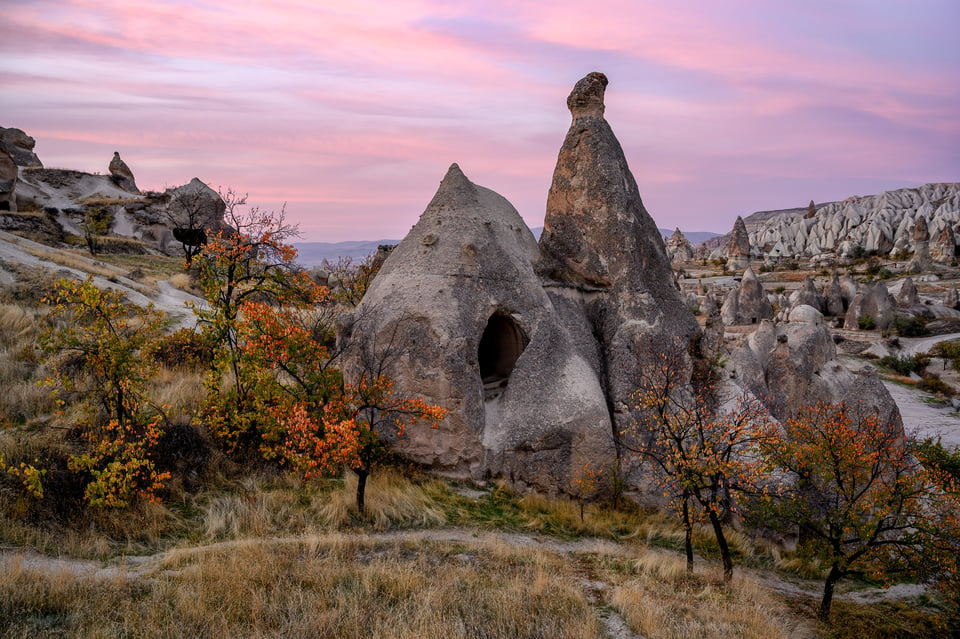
(678, 247)
(481, 337)
(8, 182)
(194, 209)
(19, 146)
(747, 303)
(943, 248)
(807, 295)
(738, 248)
(121, 174)
(951, 299)
(908, 296)
(873, 300)
(834, 298)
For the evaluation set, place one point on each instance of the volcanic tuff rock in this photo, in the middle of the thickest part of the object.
(872, 300)
(8, 182)
(678, 247)
(746, 303)
(122, 175)
(738, 248)
(882, 223)
(808, 295)
(19, 146)
(534, 349)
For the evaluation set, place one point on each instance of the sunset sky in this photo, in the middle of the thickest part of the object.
(351, 112)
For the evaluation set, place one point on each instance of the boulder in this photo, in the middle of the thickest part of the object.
(121, 174)
(951, 299)
(19, 146)
(873, 300)
(943, 248)
(194, 208)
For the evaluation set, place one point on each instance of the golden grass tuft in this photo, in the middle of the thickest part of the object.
(182, 282)
(390, 500)
(662, 601)
(311, 588)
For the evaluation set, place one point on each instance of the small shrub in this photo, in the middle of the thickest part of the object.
(909, 326)
(866, 322)
(931, 383)
(184, 347)
(904, 365)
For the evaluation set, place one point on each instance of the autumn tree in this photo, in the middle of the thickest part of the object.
(697, 441)
(101, 344)
(851, 485)
(250, 262)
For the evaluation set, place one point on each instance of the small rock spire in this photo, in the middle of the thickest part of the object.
(586, 99)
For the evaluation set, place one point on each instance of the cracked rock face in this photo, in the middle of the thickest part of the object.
(19, 146)
(8, 182)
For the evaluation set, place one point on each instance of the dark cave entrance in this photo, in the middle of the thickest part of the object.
(500, 347)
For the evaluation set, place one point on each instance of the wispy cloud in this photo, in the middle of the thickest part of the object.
(351, 111)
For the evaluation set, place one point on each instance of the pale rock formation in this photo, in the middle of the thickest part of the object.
(922, 260)
(908, 296)
(532, 349)
(747, 303)
(738, 248)
(951, 299)
(678, 247)
(121, 174)
(19, 146)
(834, 297)
(194, 211)
(873, 300)
(8, 182)
(943, 248)
(807, 295)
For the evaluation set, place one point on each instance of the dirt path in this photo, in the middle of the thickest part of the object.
(924, 418)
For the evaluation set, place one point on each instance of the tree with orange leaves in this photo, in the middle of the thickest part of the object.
(852, 486)
(698, 443)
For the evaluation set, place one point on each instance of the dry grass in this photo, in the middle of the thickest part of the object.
(390, 500)
(180, 391)
(313, 588)
(659, 599)
(182, 282)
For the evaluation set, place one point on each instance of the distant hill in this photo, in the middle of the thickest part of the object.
(314, 253)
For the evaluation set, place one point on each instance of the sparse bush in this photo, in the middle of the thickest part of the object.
(931, 383)
(905, 365)
(866, 322)
(909, 326)
(184, 347)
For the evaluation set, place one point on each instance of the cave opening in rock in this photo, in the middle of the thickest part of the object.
(500, 346)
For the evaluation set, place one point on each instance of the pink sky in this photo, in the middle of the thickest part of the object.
(351, 112)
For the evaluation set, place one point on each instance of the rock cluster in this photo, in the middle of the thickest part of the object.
(746, 303)
(738, 248)
(884, 224)
(678, 247)
(533, 348)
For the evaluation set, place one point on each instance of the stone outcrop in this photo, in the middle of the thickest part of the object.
(19, 146)
(883, 224)
(951, 299)
(746, 303)
(678, 247)
(908, 296)
(121, 174)
(793, 365)
(738, 248)
(921, 247)
(872, 301)
(834, 302)
(533, 348)
(808, 295)
(943, 247)
(8, 182)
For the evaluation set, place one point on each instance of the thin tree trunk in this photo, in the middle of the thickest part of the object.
(827, 600)
(687, 533)
(361, 487)
(724, 549)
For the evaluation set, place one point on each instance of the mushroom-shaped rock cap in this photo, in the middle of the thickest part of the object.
(586, 99)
